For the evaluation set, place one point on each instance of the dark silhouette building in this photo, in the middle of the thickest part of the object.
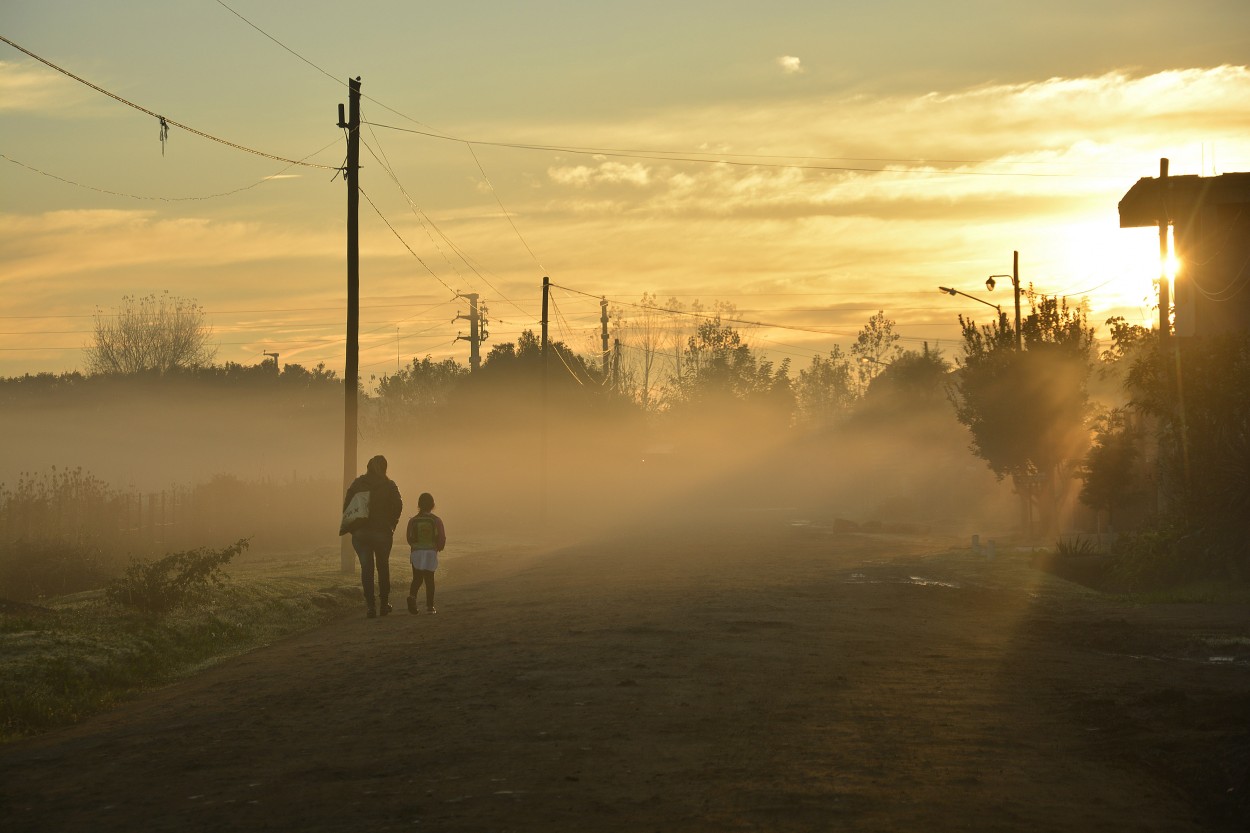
(1210, 218)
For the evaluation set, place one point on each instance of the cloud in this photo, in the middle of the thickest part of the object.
(605, 173)
(24, 88)
(790, 65)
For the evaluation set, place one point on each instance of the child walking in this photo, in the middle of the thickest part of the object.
(427, 538)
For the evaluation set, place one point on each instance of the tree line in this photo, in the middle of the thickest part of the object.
(1152, 435)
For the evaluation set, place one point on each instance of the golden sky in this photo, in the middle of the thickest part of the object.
(809, 163)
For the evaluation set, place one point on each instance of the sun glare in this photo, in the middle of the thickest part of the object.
(1113, 267)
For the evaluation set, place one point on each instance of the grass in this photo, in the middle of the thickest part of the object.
(80, 654)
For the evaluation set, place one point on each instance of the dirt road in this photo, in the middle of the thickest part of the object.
(745, 677)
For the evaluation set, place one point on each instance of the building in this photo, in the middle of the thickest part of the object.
(1210, 219)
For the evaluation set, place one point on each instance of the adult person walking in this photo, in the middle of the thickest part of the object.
(373, 538)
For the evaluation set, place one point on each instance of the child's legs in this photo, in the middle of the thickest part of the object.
(416, 582)
(428, 575)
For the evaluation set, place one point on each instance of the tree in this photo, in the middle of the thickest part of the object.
(153, 334)
(1198, 392)
(826, 389)
(913, 385)
(874, 348)
(420, 389)
(1110, 469)
(1027, 410)
(718, 367)
(650, 341)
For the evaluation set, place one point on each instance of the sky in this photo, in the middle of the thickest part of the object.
(809, 163)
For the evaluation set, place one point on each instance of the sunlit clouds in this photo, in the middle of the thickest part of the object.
(790, 65)
(33, 89)
(851, 201)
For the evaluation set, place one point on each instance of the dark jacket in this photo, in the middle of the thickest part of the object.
(385, 504)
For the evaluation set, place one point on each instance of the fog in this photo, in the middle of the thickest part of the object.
(494, 469)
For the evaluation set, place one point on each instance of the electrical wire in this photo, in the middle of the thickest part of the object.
(505, 211)
(261, 181)
(427, 223)
(718, 159)
(400, 238)
(165, 123)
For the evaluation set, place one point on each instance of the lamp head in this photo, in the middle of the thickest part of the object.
(989, 283)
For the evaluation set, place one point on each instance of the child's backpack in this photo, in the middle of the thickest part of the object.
(423, 532)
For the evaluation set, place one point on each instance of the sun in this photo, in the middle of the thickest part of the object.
(1115, 268)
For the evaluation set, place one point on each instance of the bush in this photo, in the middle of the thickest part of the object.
(42, 569)
(178, 579)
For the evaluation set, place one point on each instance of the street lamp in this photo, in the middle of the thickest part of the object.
(952, 291)
(1015, 283)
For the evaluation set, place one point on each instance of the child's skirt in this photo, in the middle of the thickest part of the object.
(425, 560)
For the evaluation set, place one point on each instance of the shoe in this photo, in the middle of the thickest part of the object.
(371, 613)
(431, 610)
(412, 605)
(386, 609)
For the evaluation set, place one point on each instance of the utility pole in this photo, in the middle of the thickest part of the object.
(477, 329)
(273, 356)
(1165, 299)
(351, 372)
(542, 462)
(603, 321)
(1015, 283)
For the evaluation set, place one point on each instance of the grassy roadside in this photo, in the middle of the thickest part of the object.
(77, 655)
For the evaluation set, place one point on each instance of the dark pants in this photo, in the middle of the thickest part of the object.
(420, 577)
(373, 548)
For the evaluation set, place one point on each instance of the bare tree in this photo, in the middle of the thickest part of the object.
(874, 348)
(151, 333)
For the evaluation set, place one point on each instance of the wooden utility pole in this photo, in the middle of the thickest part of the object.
(1015, 283)
(603, 322)
(351, 372)
(542, 462)
(1165, 298)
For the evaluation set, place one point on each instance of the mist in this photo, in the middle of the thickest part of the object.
(500, 464)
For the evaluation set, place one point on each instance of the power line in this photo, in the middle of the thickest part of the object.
(718, 159)
(76, 184)
(505, 211)
(165, 123)
(405, 242)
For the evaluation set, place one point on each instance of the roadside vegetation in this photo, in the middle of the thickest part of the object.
(75, 655)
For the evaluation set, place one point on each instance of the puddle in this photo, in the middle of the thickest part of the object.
(919, 581)
(928, 582)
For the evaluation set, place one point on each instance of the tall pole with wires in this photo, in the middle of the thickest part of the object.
(542, 443)
(351, 372)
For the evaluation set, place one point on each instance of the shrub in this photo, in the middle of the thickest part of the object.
(177, 579)
(1077, 547)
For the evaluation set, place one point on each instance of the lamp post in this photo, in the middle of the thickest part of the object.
(1015, 283)
(952, 291)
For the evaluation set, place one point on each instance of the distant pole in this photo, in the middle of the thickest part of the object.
(1015, 282)
(475, 333)
(603, 322)
(351, 372)
(542, 462)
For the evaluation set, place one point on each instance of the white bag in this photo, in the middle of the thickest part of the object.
(356, 513)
